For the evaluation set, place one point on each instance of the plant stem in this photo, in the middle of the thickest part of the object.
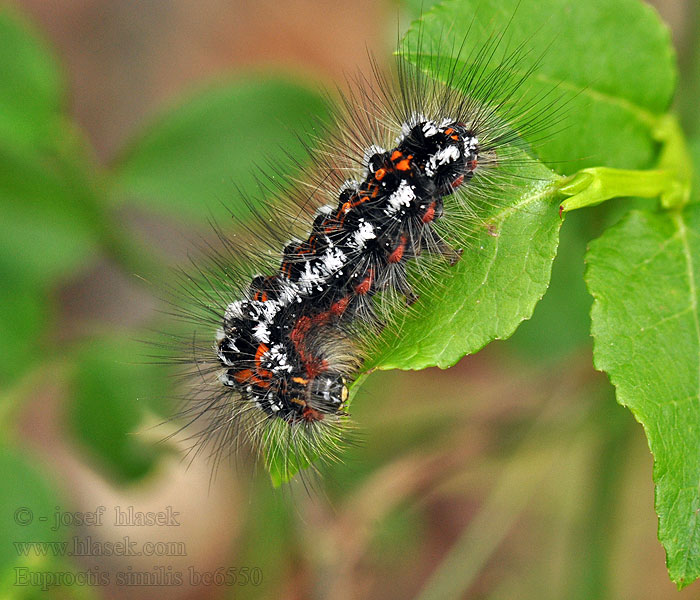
(670, 181)
(674, 157)
(598, 184)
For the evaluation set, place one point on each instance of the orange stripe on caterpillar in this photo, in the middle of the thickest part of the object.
(397, 253)
(429, 213)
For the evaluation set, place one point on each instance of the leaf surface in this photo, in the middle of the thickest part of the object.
(644, 275)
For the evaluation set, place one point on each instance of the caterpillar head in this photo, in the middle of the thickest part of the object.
(315, 397)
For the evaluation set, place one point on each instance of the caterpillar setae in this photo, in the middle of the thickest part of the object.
(396, 175)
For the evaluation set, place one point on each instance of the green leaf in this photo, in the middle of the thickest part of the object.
(45, 230)
(413, 9)
(25, 497)
(612, 62)
(283, 465)
(196, 158)
(644, 275)
(560, 324)
(694, 148)
(114, 391)
(31, 86)
(502, 274)
(23, 320)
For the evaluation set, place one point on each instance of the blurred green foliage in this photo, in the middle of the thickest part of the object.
(27, 492)
(112, 392)
(57, 215)
(190, 159)
(32, 93)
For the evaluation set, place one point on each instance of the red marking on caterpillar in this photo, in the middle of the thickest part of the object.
(430, 212)
(289, 341)
(365, 285)
(397, 253)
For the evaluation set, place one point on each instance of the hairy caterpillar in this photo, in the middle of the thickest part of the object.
(399, 173)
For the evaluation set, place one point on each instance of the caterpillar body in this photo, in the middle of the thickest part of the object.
(270, 343)
(403, 165)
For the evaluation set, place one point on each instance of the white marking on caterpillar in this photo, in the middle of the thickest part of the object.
(364, 233)
(226, 380)
(333, 260)
(401, 198)
(348, 184)
(277, 359)
(261, 332)
(369, 153)
(430, 129)
(471, 145)
(234, 310)
(441, 157)
(409, 124)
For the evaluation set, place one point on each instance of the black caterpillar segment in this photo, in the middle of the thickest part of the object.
(286, 347)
